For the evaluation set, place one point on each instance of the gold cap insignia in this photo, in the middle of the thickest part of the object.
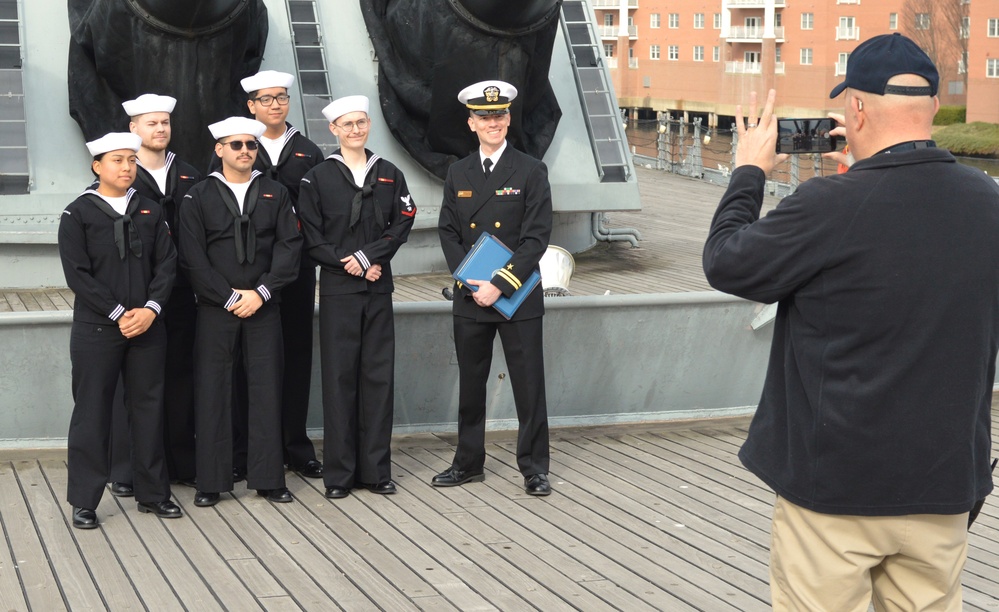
(491, 93)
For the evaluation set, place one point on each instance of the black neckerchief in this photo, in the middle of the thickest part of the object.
(363, 192)
(134, 241)
(246, 242)
(908, 146)
(271, 168)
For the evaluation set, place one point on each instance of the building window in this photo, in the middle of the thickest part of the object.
(674, 21)
(841, 64)
(807, 21)
(674, 53)
(654, 23)
(806, 57)
(993, 28)
(699, 53)
(777, 55)
(922, 21)
(716, 54)
(608, 19)
(654, 52)
(14, 178)
(892, 21)
(716, 21)
(992, 68)
(962, 64)
(698, 21)
(608, 50)
(965, 27)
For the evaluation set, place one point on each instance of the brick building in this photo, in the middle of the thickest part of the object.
(704, 56)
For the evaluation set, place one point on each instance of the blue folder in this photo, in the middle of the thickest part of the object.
(486, 257)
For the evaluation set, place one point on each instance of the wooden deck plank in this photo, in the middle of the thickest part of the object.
(24, 572)
(643, 541)
(635, 574)
(512, 584)
(250, 515)
(374, 569)
(642, 517)
(74, 577)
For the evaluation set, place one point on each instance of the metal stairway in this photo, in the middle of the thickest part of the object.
(603, 120)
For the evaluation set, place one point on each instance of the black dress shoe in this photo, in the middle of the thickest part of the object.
(238, 475)
(537, 484)
(337, 492)
(202, 499)
(311, 469)
(382, 488)
(84, 518)
(121, 489)
(452, 478)
(162, 509)
(280, 496)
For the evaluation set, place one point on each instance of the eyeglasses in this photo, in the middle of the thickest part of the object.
(237, 145)
(361, 124)
(282, 99)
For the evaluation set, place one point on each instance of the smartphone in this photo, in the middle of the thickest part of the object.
(796, 136)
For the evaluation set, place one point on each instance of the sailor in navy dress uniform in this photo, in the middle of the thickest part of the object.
(120, 263)
(241, 245)
(164, 178)
(504, 192)
(285, 156)
(356, 212)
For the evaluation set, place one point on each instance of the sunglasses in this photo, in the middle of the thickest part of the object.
(237, 145)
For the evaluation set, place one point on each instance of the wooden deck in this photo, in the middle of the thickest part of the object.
(674, 220)
(649, 517)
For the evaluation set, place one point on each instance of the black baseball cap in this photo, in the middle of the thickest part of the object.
(878, 59)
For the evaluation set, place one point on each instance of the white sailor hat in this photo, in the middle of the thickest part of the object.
(266, 79)
(347, 104)
(236, 125)
(149, 103)
(114, 141)
(488, 97)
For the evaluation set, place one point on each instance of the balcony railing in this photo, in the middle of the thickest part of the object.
(751, 67)
(604, 4)
(753, 32)
(847, 33)
(611, 62)
(753, 3)
(632, 62)
(612, 31)
(840, 68)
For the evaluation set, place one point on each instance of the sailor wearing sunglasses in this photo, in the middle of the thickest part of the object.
(241, 246)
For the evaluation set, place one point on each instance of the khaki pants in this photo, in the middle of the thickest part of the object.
(842, 563)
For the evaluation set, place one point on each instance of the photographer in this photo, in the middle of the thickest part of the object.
(873, 425)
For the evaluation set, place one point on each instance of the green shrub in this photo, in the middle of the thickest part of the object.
(976, 139)
(949, 115)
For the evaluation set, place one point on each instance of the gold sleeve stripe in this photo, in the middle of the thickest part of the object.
(510, 278)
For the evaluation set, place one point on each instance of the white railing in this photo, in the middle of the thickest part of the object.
(753, 3)
(632, 4)
(613, 31)
(743, 68)
(840, 68)
(753, 32)
(632, 62)
(847, 33)
(847, 1)
(751, 67)
(611, 62)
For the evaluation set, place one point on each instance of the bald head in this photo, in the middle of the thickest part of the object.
(876, 122)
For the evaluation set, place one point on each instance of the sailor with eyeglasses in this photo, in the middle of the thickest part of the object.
(356, 212)
(285, 156)
(241, 247)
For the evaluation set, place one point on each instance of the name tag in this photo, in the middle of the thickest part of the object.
(464, 194)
